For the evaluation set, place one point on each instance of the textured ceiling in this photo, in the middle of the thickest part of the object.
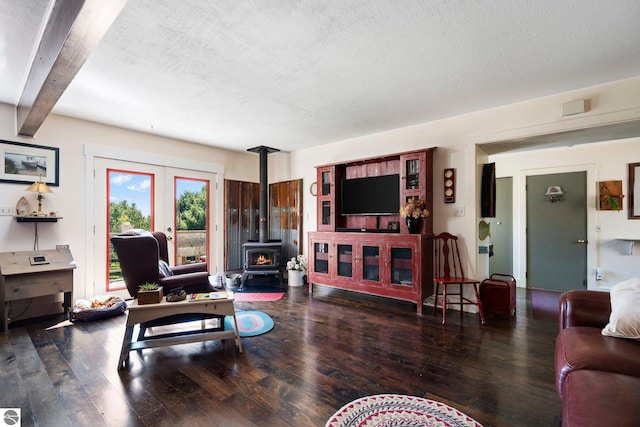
(293, 74)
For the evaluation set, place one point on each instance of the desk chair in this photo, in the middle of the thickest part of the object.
(448, 272)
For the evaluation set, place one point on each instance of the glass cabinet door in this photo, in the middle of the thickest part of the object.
(371, 263)
(412, 181)
(345, 260)
(326, 212)
(326, 198)
(325, 180)
(401, 266)
(321, 257)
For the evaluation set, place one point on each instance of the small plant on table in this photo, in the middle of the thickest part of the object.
(149, 293)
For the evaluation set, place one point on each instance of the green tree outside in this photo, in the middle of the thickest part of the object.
(121, 213)
(192, 210)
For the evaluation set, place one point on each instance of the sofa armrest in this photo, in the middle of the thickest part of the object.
(584, 308)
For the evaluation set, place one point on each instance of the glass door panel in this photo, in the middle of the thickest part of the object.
(371, 263)
(191, 201)
(326, 212)
(345, 260)
(413, 174)
(402, 266)
(130, 196)
(325, 189)
(321, 257)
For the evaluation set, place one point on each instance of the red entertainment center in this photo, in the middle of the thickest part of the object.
(361, 243)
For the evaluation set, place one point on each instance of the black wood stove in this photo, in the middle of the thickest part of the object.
(264, 256)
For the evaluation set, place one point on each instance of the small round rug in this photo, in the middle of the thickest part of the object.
(250, 323)
(395, 410)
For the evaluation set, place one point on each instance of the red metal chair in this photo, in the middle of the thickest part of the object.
(448, 272)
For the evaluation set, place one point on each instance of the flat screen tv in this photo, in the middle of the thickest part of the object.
(374, 195)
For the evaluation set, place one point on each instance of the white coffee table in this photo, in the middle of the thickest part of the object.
(147, 312)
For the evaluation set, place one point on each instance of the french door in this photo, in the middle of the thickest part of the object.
(131, 195)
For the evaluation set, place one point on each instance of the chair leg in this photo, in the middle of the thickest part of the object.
(435, 300)
(444, 304)
(479, 304)
(461, 302)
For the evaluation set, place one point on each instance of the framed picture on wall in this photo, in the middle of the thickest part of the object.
(634, 190)
(610, 195)
(25, 163)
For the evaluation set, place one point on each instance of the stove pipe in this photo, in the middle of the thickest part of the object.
(263, 206)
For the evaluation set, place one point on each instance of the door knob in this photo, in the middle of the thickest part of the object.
(169, 238)
(582, 241)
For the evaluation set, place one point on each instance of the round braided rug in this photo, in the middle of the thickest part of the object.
(395, 410)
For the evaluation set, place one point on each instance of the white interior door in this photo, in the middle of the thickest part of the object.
(137, 195)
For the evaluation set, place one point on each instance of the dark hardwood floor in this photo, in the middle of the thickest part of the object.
(324, 351)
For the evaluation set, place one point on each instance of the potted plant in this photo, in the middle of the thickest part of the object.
(413, 211)
(149, 293)
(296, 267)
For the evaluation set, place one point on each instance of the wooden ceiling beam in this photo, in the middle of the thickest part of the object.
(72, 32)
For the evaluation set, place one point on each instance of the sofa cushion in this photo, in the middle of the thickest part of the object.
(584, 347)
(596, 398)
(624, 321)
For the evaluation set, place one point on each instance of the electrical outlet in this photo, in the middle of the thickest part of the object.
(598, 274)
(458, 212)
(6, 210)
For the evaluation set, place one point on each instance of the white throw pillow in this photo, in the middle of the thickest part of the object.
(624, 321)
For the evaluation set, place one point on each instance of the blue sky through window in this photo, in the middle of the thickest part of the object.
(136, 188)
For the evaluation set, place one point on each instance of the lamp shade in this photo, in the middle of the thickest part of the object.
(39, 187)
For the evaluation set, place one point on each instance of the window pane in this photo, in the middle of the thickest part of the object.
(191, 201)
(130, 196)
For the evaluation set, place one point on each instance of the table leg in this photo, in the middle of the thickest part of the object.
(68, 302)
(126, 346)
(4, 312)
(237, 332)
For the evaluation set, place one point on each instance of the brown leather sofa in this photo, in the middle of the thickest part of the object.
(597, 376)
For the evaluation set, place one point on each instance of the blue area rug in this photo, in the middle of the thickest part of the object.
(250, 323)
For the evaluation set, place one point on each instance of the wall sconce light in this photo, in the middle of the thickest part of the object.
(39, 187)
(554, 193)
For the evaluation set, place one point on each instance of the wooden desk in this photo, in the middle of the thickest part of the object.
(19, 279)
(147, 312)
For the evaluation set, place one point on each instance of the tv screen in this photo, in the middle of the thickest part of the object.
(375, 195)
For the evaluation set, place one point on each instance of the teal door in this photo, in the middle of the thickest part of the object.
(502, 229)
(557, 232)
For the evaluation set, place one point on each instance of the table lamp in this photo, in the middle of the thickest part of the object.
(39, 187)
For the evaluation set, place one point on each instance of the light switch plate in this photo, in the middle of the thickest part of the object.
(7, 210)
